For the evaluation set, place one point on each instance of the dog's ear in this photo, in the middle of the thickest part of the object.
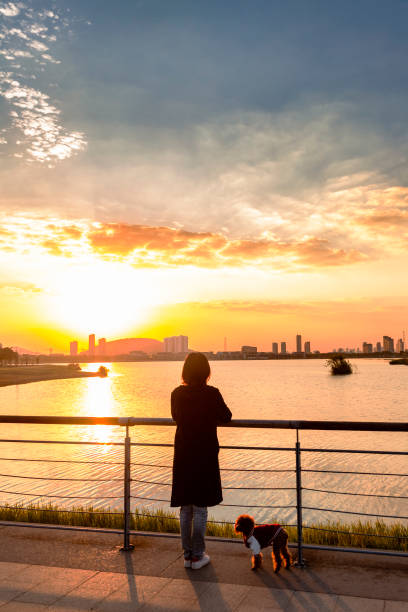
(238, 524)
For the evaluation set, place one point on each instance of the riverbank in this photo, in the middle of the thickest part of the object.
(368, 535)
(19, 375)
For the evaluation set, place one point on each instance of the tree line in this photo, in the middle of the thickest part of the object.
(8, 356)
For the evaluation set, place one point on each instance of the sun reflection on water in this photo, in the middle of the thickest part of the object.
(98, 401)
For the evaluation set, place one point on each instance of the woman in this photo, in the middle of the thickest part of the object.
(197, 408)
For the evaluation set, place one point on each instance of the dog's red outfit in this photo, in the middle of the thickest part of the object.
(262, 536)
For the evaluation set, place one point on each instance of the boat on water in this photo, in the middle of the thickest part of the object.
(401, 361)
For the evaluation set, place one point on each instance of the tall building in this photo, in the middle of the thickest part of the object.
(101, 346)
(176, 344)
(307, 347)
(367, 347)
(298, 343)
(283, 348)
(247, 350)
(73, 348)
(378, 347)
(91, 344)
(400, 345)
(388, 344)
(275, 349)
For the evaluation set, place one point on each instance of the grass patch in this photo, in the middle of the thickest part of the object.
(368, 534)
(376, 534)
(339, 365)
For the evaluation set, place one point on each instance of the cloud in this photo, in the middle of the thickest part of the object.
(166, 247)
(20, 287)
(43, 138)
(393, 219)
(9, 9)
(365, 306)
(169, 247)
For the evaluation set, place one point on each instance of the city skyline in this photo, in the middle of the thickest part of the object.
(180, 344)
(214, 172)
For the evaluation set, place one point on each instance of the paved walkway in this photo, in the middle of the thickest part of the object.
(68, 571)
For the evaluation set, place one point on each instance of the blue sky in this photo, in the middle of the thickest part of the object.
(148, 78)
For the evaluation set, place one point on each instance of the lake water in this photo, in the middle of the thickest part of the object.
(293, 389)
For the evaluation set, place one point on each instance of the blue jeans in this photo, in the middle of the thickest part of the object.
(193, 523)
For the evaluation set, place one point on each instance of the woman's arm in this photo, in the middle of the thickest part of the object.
(224, 414)
(173, 405)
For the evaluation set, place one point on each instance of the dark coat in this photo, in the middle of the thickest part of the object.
(197, 409)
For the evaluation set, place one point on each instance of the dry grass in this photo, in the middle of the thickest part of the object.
(359, 534)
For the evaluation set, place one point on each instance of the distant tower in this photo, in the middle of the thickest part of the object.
(225, 345)
(275, 349)
(73, 348)
(101, 346)
(91, 346)
(283, 348)
(298, 343)
(176, 344)
(307, 347)
(388, 344)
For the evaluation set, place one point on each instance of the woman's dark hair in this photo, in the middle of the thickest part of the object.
(196, 369)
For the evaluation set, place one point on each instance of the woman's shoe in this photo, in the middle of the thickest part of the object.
(187, 562)
(199, 563)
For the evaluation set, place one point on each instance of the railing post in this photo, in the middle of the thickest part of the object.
(300, 561)
(126, 494)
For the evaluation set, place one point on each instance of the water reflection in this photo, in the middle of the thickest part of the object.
(274, 390)
(98, 401)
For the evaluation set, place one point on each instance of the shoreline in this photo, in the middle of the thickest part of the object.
(20, 375)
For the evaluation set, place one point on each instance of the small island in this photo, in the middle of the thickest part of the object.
(339, 366)
(19, 375)
(402, 361)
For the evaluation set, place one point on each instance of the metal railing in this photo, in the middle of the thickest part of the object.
(253, 424)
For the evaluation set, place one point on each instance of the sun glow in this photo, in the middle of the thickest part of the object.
(103, 298)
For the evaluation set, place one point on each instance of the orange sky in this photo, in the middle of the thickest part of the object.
(63, 279)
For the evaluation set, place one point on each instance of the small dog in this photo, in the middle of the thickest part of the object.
(262, 536)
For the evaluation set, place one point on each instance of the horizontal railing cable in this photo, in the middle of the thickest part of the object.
(86, 443)
(358, 473)
(169, 467)
(358, 494)
(62, 461)
(67, 511)
(62, 496)
(167, 501)
(377, 515)
(354, 533)
(169, 484)
(60, 478)
(352, 451)
(222, 446)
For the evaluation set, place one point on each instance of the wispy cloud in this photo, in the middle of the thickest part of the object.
(27, 37)
(165, 247)
(13, 288)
